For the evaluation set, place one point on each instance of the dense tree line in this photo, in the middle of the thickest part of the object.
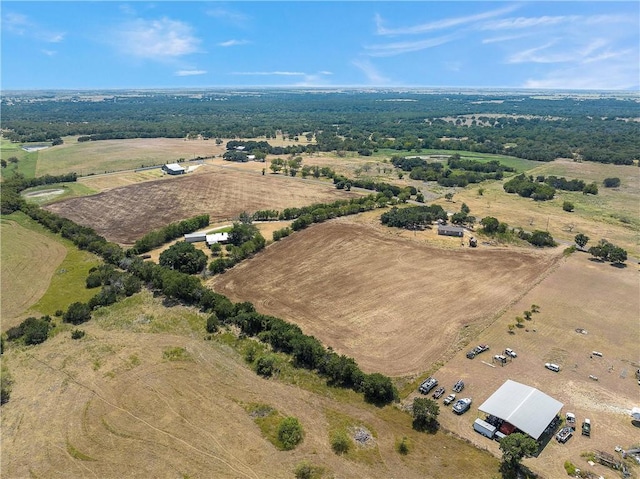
(607, 251)
(561, 183)
(32, 330)
(346, 120)
(170, 232)
(10, 199)
(413, 217)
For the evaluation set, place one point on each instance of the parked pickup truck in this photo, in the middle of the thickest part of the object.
(481, 348)
(586, 427)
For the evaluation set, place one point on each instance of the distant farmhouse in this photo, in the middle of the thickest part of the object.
(213, 238)
(450, 230)
(173, 169)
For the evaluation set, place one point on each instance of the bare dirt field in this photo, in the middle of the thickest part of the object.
(29, 261)
(381, 298)
(580, 293)
(111, 406)
(125, 214)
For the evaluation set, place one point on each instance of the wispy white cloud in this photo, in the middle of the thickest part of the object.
(506, 38)
(374, 77)
(397, 48)
(619, 75)
(188, 73)
(518, 23)
(440, 24)
(49, 53)
(229, 16)
(18, 24)
(156, 39)
(233, 43)
(272, 73)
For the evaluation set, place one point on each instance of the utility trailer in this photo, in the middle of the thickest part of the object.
(484, 428)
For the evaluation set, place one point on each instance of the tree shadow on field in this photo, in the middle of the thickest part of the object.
(619, 265)
(518, 472)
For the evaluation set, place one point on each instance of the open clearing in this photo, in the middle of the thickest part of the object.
(612, 214)
(580, 293)
(380, 298)
(110, 406)
(28, 262)
(125, 214)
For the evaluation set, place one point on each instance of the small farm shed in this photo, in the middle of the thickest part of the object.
(195, 237)
(522, 407)
(173, 169)
(450, 230)
(217, 238)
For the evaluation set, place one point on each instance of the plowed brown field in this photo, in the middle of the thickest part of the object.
(394, 304)
(125, 214)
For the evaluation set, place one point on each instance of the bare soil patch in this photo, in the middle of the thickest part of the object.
(394, 304)
(579, 294)
(126, 213)
(29, 261)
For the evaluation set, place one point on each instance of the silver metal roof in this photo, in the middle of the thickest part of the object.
(525, 407)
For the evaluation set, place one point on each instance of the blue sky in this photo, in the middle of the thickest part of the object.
(171, 44)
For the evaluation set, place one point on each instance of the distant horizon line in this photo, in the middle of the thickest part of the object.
(317, 88)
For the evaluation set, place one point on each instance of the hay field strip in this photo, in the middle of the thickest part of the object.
(94, 157)
(41, 272)
(396, 305)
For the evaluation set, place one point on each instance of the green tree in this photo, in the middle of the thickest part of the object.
(290, 433)
(265, 365)
(568, 206)
(35, 331)
(465, 209)
(527, 315)
(3, 163)
(581, 240)
(77, 313)
(489, 224)
(591, 189)
(420, 198)
(183, 257)
(425, 414)
(378, 389)
(514, 447)
(448, 196)
(12, 159)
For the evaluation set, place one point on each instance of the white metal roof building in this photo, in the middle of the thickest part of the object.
(217, 238)
(525, 407)
(173, 169)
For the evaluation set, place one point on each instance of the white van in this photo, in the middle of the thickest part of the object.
(552, 367)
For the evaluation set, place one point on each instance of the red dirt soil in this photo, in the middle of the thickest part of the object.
(396, 305)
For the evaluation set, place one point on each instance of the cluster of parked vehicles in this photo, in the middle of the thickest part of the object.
(459, 407)
(567, 431)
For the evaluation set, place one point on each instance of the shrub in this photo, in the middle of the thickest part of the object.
(611, 182)
(568, 206)
(306, 470)
(77, 313)
(340, 442)
(213, 323)
(77, 334)
(266, 365)
(378, 389)
(290, 433)
(402, 446)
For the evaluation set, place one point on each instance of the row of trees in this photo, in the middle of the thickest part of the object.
(604, 250)
(158, 237)
(527, 188)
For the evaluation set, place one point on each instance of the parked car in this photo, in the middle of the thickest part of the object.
(427, 385)
(552, 367)
(564, 434)
(571, 419)
(462, 405)
(449, 399)
(459, 386)
(481, 348)
(586, 427)
(438, 393)
(510, 352)
(500, 358)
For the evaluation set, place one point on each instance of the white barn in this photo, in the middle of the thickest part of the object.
(173, 169)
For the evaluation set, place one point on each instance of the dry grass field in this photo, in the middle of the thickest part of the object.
(126, 213)
(394, 304)
(112, 405)
(580, 293)
(28, 262)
